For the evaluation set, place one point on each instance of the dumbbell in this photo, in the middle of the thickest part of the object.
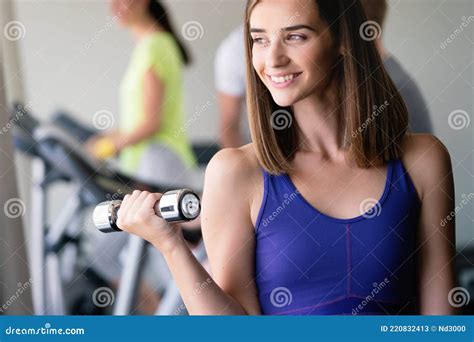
(174, 206)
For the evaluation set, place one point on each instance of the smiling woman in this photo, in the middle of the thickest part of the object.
(321, 57)
(310, 218)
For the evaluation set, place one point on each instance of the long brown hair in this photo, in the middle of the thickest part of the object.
(371, 137)
(159, 13)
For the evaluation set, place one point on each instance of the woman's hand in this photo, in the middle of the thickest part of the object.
(137, 216)
(107, 145)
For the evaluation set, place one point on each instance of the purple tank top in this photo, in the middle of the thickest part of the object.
(308, 263)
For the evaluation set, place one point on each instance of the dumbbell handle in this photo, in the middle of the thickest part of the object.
(173, 206)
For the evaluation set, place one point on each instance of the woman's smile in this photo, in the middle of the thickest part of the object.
(282, 80)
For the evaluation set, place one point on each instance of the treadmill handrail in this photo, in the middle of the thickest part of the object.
(98, 171)
(49, 131)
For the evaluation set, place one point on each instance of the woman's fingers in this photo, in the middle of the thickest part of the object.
(137, 207)
(126, 211)
(134, 205)
(137, 216)
(124, 206)
(141, 212)
(151, 200)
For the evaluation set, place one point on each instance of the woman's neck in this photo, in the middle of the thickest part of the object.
(145, 28)
(318, 119)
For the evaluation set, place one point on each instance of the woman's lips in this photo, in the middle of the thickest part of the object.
(283, 81)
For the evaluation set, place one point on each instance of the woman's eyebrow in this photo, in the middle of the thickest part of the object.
(285, 29)
(298, 27)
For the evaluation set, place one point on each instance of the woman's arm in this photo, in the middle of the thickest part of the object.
(153, 94)
(428, 162)
(106, 145)
(230, 108)
(228, 236)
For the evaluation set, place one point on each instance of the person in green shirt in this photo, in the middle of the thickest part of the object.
(150, 141)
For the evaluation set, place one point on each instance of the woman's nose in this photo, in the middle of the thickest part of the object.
(276, 55)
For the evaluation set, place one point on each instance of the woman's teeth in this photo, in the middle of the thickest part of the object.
(283, 79)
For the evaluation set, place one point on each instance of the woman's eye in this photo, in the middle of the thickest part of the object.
(259, 40)
(296, 37)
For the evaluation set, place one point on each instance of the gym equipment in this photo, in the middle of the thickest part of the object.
(58, 157)
(173, 206)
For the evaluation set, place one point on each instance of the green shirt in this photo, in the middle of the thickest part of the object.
(160, 53)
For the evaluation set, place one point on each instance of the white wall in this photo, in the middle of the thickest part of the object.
(74, 58)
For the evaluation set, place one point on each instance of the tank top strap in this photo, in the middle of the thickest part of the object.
(275, 188)
(401, 179)
(266, 176)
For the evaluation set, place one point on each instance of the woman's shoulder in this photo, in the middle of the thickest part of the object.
(426, 159)
(423, 147)
(159, 43)
(239, 164)
(237, 173)
(158, 37)
(234, 169)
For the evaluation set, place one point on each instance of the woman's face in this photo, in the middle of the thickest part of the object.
(293, 52)
(129, 11)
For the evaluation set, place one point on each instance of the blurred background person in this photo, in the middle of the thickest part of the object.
(230, 85)
(151, 101)
(418, 112)
(150, 142)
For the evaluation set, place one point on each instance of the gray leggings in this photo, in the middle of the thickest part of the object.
(160, 164)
